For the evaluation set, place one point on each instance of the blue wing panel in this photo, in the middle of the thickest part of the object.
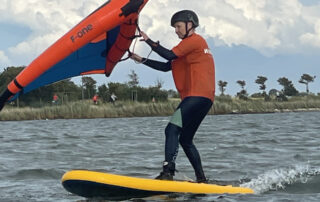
(88, 58)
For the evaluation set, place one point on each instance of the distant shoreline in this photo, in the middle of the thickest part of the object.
(282, 111)
(87, 110)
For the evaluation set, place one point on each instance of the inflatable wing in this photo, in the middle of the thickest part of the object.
(94, 46)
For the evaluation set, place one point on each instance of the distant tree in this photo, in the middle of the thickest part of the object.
(306, 79)
(89, 85)
(222, 85)
(122, 91)
(151, 93)
(103, 92)
(134, 79)
(173, 94)
(273, 92)
(8, 75)
(288, 88)
(66, 89)
(242, 84)
(261, 81)
(159, 83)
(243, 93)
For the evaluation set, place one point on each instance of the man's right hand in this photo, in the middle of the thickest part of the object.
(144, 36)
(136, 57)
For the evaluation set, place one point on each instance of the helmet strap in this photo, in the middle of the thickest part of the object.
(187, 30)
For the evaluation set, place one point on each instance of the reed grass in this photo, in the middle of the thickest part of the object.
(87, 110)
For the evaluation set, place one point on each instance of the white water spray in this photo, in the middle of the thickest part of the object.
(280, 178)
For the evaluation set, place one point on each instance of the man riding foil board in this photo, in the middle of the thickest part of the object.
(193, 71)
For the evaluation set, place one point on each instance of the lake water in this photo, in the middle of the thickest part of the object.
(277, 155)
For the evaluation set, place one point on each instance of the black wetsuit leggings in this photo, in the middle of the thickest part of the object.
(182, 128)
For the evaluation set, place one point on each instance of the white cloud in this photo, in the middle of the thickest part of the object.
(4, 60)
(312, 39)
(269, 26)
(312, 36)
(47, 20)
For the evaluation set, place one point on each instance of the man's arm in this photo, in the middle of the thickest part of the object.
(160, 66)
(163, 52)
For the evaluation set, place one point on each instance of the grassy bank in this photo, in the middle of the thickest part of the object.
(86, 110)
(295, 104)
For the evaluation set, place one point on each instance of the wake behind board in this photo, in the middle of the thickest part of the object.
(91, 184)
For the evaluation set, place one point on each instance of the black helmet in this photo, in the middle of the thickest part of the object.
(185, 16)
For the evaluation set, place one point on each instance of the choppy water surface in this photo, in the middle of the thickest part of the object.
(277, 155)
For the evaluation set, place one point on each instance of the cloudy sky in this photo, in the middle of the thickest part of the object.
(249, 38)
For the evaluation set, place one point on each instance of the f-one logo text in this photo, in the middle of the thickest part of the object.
(81, 33)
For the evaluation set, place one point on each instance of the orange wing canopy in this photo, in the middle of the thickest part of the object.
(94, 46)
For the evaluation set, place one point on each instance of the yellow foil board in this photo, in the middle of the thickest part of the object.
(91, 184)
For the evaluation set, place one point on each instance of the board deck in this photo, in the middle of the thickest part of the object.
(92, 184)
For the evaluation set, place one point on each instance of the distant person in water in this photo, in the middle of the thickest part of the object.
(113, 98)
(55, 99)
(95, 99)
(192, 66)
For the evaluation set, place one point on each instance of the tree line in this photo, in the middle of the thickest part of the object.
(288, 88)
(67, 90)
